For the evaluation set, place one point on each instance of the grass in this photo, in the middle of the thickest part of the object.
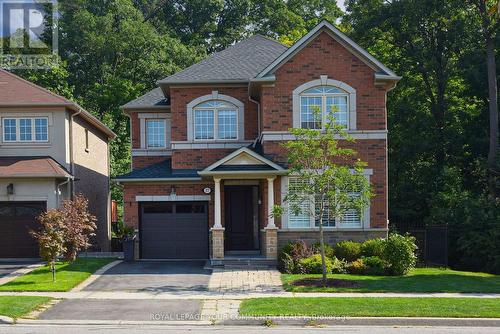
(418, 280)
(16, 306)
(373, 307)
(68, 275)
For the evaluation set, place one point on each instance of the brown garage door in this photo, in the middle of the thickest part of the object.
(174, 230)
(16, 220)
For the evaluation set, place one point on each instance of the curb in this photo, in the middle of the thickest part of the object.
(6, 320)
(113, 322)
(95, 276)
(365, 321)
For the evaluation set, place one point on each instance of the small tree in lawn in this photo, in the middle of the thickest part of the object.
(329, 178)
(51, 237)
(79, 226)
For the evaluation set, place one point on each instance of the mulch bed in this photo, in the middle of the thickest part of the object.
(330, 283)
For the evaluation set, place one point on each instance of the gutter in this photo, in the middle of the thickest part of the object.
(58, 188)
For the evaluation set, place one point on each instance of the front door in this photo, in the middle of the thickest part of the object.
(239, 217)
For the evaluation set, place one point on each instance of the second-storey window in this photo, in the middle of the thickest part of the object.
(25, 129)
(317, 103)
(215, 120)
(155, 133)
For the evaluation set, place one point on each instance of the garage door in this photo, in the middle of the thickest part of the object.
(174, 230)
(16, 220)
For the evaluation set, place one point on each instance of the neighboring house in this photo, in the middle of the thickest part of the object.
(207, 160)
(50, 149)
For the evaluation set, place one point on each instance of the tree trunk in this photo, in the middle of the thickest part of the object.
(53, 269)
(322, 250)
(493, 111)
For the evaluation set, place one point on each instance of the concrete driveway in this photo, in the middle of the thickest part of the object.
(154, 276)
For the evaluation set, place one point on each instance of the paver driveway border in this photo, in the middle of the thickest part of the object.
(19, 272)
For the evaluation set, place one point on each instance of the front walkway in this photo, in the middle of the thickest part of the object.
(241, 281)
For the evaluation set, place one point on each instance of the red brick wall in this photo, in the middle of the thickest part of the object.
(131, 207)
(142, 162)
(374, 152)
(323, 56)
(135, 130)
(197, 159)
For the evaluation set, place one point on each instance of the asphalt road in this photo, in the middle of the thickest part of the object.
(143, 329)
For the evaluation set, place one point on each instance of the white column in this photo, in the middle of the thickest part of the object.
(217, 205)
(270, 202)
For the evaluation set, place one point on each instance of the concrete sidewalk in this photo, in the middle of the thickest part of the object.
(208, 295)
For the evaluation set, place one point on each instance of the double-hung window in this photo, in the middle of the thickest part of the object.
(25, 129)
(156, 133)
(352, 217)
(318, 103)
(215, 120)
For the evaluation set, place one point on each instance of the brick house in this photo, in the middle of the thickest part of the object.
(207, 160)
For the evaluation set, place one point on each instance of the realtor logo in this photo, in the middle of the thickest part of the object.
(28, 33)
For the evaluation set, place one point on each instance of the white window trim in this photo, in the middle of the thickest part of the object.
(164, 121)
(324, 81)
(18, 129)
(365, 221)
(142, 123)
(191, 106)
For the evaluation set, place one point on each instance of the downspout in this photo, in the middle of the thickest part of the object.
(58, 189)
(71, 159)
(258, 114)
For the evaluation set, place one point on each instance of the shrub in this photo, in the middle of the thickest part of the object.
(291, 254)
(348, 250)
(374, 265)
(356, 267)
(399, 253)
(373, 247)
(313, 265)
(338, 266)
(316, 247)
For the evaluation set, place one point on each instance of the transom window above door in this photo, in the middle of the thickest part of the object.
(25, 129)
(214, 120)
(318, 103)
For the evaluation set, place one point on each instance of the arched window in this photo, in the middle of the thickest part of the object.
(316, 100)
(215, 120)
(317, 103)
(215, 117)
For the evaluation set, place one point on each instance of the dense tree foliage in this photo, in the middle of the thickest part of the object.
(439, 115)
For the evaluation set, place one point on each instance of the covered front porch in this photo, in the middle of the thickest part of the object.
(245, 191)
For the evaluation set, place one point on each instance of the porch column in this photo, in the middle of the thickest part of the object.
(270, 202)
(271, 231)
(217, 230)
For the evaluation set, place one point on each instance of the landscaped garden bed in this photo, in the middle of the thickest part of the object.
(373, 307)
(68, 276)
(18, 306)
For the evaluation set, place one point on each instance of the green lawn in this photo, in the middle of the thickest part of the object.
(373, 307)
(418, 280)
(68, 275)
(16, 306)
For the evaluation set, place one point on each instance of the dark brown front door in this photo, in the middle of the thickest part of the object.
(239, 218)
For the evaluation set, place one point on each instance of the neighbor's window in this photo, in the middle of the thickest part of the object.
(26, 129)
(323, 100)
(352, 218)
(156, 133)
(215, 120)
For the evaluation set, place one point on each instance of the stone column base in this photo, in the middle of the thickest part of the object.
(271, 243)
(217, 244)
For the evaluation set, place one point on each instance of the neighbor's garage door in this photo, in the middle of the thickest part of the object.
(174, 230)
(16, 220)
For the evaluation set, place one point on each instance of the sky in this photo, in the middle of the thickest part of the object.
(340, 3)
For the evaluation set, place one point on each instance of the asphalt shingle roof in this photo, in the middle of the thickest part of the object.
(31, 167)
(153, 98)
(239, 62)
(160, 170)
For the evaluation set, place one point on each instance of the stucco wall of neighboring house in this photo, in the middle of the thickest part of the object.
(32, 190)
(91, 169)
(57, 145)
